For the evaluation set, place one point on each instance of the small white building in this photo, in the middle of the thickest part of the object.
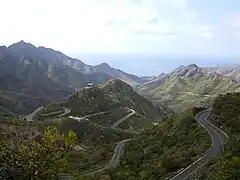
(90, 84)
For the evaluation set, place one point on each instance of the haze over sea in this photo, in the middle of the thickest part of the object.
(153, 64)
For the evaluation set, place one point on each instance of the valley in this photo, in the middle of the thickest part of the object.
(102, 123)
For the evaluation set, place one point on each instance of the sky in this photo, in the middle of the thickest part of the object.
(95, 30)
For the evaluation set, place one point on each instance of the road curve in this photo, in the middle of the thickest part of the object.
(66, 112)
(114, 161)
(218, 139)
(114, 126)
(118, 152)
(30, 116)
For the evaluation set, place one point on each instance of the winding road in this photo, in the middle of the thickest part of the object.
(30, 116)
(114, 161)
(66, 111)
(218, 139)
(114, 126)
(118, 152)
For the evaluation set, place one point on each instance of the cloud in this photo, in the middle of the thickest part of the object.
(153, 20)
(207, 35)
(180, 4)
(111, 25)
(205, 31)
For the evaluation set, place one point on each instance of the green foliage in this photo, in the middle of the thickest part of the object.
(109, 118)
(226, 112)
(161, 151)
(111, 95)
(228, 168)
(89, 158)
(27, 156)
(88, 101)
(52, 107)
(91, 133)
(136, 122)
(181, 92)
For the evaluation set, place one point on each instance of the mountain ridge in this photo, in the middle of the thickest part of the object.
(38, 72)
(56, 57)
(187, 86)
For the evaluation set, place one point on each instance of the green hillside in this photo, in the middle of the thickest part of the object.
(110, 117)
(181, 91)
(226, 112)
(137, 123)
(178, 141)
(112, 95)
(162, 150)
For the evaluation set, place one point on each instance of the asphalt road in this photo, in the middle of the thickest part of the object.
(88, 116)
(30, 116)
(66, 111)
(114, 126)
(218, 139)
(113, 163)
(118, 152)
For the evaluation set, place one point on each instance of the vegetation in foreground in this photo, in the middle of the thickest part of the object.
(174, 144)
(96, 143)
(160, 152)
(25, 155)
(226, 112)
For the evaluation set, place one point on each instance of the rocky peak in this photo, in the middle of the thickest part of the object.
(104, 65)
(117, 85)
(186, 71)
(161, 75)
(192, 66)
(21, 44)
(3, 49)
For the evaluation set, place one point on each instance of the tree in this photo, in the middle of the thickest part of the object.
(25, 155)
(229, 168)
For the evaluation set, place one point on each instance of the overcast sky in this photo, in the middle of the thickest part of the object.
(186, 27)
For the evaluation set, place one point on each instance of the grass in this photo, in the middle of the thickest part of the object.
(112, 95)
(161, 151)
(110, 118)
(136, 123)
(90, 158)
(201, 84)
(50, 108)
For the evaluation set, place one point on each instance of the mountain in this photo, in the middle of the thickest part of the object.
(187, 86)
(148, 78)
(68, 76)
(24, 85)
(118, 74)
(115, 94)
(155, 82)
(226, 70)
(31, 76)
(53, 57)
(49, 55)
